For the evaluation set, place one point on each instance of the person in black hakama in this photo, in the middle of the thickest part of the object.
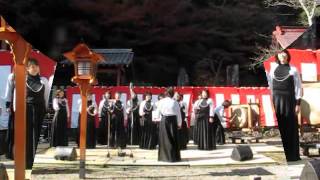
(117, 126)
(193, 123)
(183, 135)
(59, 135)
(285, 84)
(134, 131)
(4, 119)
(149, 136)
(168, 131)
(157, 119)
(91, 128)
(204, 119)
(218, 120)
(104, 116)
(37, 94)
(9, 95)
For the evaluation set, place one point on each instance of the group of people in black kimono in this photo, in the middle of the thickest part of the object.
(171, 132)
(134, 123)
(120, 125)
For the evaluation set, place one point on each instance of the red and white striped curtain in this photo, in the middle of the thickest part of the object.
(190, 94)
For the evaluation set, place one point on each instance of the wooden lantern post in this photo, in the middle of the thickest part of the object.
(20, 49)
(85, 65)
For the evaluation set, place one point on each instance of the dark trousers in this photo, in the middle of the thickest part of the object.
(168, 140)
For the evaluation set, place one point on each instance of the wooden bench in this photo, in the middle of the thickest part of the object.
(306, 146)
(245, 139)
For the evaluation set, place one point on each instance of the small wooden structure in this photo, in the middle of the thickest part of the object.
(116, 61)
(85, 68)
(245, 116)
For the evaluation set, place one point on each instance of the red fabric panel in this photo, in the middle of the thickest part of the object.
(6, 58)
(297, 57)
(47, 65)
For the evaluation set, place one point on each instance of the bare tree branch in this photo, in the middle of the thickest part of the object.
(308, 6)
(263, 54)
(290, 3)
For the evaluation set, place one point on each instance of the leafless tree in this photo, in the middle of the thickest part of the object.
(308, 6)
(262, 54)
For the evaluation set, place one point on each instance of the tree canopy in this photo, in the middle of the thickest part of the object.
(203, 36)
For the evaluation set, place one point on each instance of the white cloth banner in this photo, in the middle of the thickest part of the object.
(309, 72)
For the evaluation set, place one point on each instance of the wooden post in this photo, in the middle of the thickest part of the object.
(249, 115)
(84, 80)
(20, 123)
(84, 86)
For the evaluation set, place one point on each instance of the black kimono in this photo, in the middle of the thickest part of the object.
(205, 132)
(91, 128)
(59, 127)
(36, 108)
(183, 134)
(10, 133)
(133, 130)
(117, 134)
(104, 113)
(149, 135)
(4, 117)
(285, 83)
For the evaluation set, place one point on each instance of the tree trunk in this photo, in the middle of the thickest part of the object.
(233, 75)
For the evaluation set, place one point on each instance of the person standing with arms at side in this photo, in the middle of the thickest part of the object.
(118, 115)
(9, 95)
(168, 131)
(104, 115)
(286, 89)
(218, 119)
(134, 131)
(4, 121)
(59, 135)
(157, 120)
(37, 95)
(183, 131)
(149, 137)
(193, 123)
(204, 118)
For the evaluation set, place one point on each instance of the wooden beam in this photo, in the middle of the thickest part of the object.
(20, 123)
(84, 87)
(114, 71)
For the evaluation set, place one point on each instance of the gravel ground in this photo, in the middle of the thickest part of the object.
(267, 172)
(218, 173)
(280, 171)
